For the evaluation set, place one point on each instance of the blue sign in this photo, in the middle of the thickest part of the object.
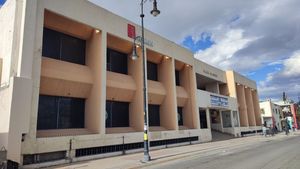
(218, 101)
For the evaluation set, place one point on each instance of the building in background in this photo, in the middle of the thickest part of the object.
(291, 110)
(70, 92)
(271, 114)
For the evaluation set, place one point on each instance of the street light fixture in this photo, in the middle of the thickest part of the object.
(134, 56)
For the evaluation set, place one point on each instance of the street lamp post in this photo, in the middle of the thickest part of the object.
(154, 12)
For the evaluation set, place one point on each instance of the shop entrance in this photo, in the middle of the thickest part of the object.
(221, 124)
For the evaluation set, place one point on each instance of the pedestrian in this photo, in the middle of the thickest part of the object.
(271, 130)
(287, 128)
(264, 130)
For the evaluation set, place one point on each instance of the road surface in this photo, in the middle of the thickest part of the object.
(274, 154)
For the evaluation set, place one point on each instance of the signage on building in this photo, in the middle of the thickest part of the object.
(218, 101)
(147, 42)
(131, 34)
(210, 73)
(130, 31)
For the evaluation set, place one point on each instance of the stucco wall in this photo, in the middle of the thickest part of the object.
(209, 71)
(5, 105)
(7, 20)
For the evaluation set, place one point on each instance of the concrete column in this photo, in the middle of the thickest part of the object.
(242, 106)
(30, 137)
(221, 119)
(250, 110)
(232, 88)
(257, 114)
(188, 81)
(208, 118)
(95, 103)
(168, 109)
(136, 107)
(231, 118)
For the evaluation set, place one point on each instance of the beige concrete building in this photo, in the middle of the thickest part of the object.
(70, 92)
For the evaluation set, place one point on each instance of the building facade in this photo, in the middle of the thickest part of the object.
(70, 92)
(271, 114)
(290, 109)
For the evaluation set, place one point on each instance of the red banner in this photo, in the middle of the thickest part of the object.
(130, 31)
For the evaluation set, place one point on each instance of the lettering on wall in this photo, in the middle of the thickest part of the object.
(147, 41)
(210, 73)
(218, 101)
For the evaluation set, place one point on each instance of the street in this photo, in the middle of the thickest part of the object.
(271, 154)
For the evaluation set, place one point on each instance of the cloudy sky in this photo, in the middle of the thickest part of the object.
(258, 38)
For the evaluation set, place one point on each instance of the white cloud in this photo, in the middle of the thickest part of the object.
(220, 53)
(286, 79)
(292, 65)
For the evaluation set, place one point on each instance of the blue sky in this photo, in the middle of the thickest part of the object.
(2, 2)
(206, 42)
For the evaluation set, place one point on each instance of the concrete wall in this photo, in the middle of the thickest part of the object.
(7, 23)
(14, 113)
(1, 67)
(209, 71)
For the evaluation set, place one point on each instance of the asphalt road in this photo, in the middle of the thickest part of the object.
(275, 154)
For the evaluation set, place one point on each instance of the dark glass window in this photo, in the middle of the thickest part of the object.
(154, 119)
(177, 78)
(64, 47)
(117, 114)
(71, 113)
(116, 61)
(55, 112)
(203, 120)
(47, 113)
(152, 71)
(180, 116)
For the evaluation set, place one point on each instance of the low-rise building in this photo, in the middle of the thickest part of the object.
(290, 109)
(70, 91)
(271, 114)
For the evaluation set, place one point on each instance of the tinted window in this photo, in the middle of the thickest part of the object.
(154, 119)
(117, 61)
(180, 116)
(56, 112)
(117, 114)
(152, 71)
(47, 112)
(177, 78)
(51, 44)
(72, 49)
(203, 120)
(70, 113)
(64, 47)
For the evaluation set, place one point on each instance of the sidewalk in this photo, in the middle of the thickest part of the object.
(132, 161)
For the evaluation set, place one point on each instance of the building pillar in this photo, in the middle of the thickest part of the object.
(221, 119)
(257, 114)
(250, 110)
(208, 118)
(168, 109)
(242, 107)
